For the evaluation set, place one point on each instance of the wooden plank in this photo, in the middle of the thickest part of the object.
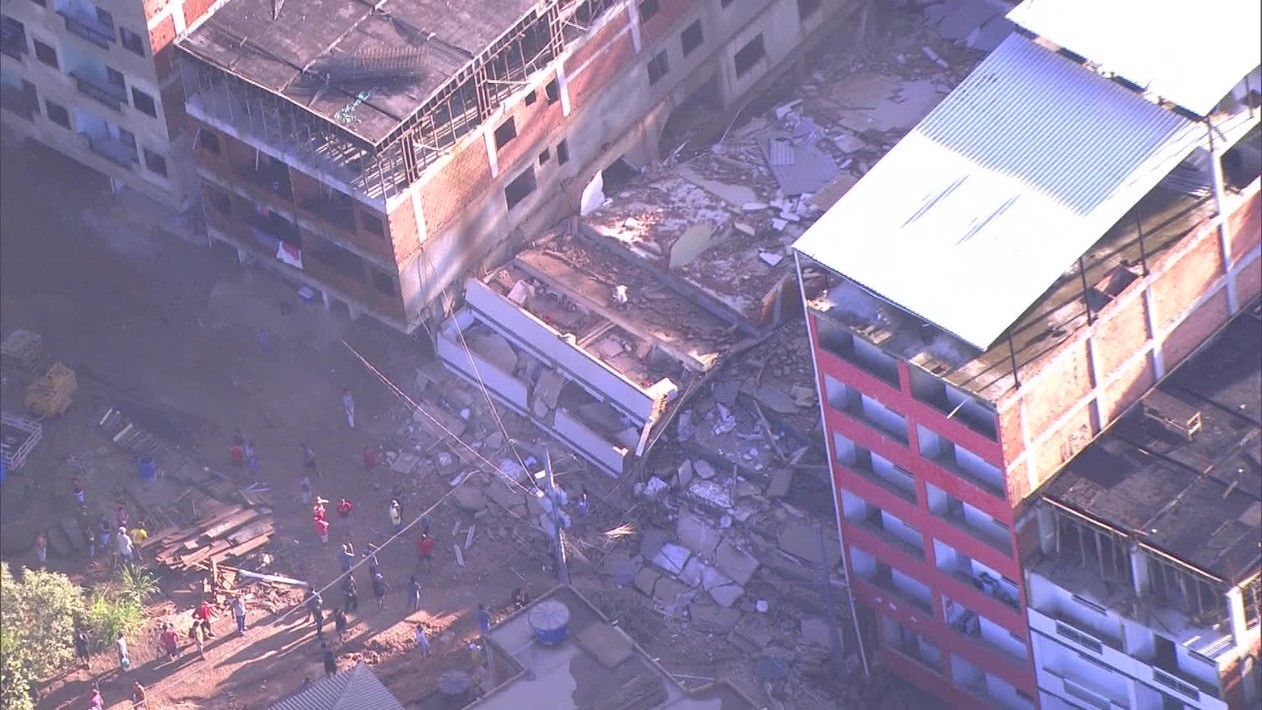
(230, 523)
(204, 553)
(262, 527)
(242, 549)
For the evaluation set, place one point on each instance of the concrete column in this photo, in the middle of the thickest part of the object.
(1139, 569)
(1224, 238)
(1046, 522)
(1235, 612)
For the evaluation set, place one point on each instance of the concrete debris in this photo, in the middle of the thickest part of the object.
(724, 422)
(695, 534)
(470, 498)
(404, 463)
(655, 487)
(652, 541)
(734, 562)
(817, 631)
(672, 558)
(683, 475)
(645, 579)
(717, 495)
(703, 468)
(496, 349)
(780, 482)
(799, 539)
(797, 167)
(754, 206)
(753, 631)
(933, 57)
(685, 428)
(668, 591)
(725, 595)
(715, 618)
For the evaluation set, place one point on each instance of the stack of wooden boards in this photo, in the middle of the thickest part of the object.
(222, 531)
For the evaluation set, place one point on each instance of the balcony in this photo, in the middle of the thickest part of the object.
(860, 407)
(988, 582)
(112, 149)
(970, 625)
(18, 101)
(104, 93)
(88, 26)
(13, 39)
(1078, 691)
(961, 463)
(272, 180)
(971, 521)
(884, 579)
(875, 469)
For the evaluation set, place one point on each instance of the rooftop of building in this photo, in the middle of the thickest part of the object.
(354, 688)
(1182, 470)
(364, 66)
(596, 665)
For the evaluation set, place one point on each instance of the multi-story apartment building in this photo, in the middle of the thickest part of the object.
(379, 154)
(1146, 591)
(95, 80)
(987, 300)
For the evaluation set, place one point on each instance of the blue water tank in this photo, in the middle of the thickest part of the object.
(551, 621)
(2, 472)
(147, 469)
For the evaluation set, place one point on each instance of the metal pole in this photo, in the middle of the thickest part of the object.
(839, 666)
(1086, 293)
(1139, 229)
(563, 570)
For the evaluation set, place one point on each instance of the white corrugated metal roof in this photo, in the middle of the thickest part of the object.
(999, 190)
(1190, 53)
(354, 689)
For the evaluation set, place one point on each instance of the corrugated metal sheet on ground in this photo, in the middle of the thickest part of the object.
(999, 190)
(798, 169)
(1191, 53)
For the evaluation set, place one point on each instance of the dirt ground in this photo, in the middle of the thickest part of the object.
(191, 345)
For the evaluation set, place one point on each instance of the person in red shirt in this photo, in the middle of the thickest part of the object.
(322, 529)
(170, 642)
(317, 511)
(425, 546)
(370, 458)
(202, 615)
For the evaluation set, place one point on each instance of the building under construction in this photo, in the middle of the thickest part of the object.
(380, 152)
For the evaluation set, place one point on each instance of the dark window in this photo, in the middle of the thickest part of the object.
(12, 37)
(692, 37)
(545, 156)
(127, 138)
(105, 18)
(131, 41)
(552, 90)
(144, 102)
(46, 54)
(372, 224)
(520, 188)
(383, 282)
(531, 98)
(658, 66)
(563, 153)
(41, 3)
(217, 199)
(725, 3)
(209, 140)
(648, 8)
(115, 77)
(57, 114)
(155, 162)
(749, 55)
(505, 133)
(806, 8)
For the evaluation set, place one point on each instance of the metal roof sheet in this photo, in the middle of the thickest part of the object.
(1189, 53)
(999, 190)
(354, 689)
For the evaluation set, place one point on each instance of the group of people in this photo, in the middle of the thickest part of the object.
(117, 538)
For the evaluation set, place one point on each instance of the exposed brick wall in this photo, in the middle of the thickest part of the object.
(194, 9)
(455, 185)
(1066, 440)
(659, 26)
(1115, 337)
(1194, 331)
(403, 230)
(1135, 380)
(219, 164)
(616, 24)
(1011, 438)
(1245, 228)
(1186, 278)
(1064, 381)
(587, 83)
(161, 38)
(153, 7)
(534, 123)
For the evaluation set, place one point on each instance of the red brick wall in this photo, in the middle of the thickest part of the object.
(457, 183)
(1135, 380)
(194, 9)
(219, 164)
(1010, 435)
(1115, 337)
(1245, 227)
(160, 40)
(1181, 282)
(616, 24)
(1070, 372)
(534, 124)
(659, 26)
(587, 83)
(403, 229)
(1194, 331)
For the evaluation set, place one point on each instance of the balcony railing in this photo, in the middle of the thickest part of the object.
(948, 463)
(993, 538)
(884, 579)
(17, 101)
(88, 26)
(112, 149)
(917, 551)
(100, 91)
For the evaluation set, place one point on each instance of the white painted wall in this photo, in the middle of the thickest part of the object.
(597, 447)
(884, 417)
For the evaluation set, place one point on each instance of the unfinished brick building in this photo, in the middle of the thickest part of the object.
(988, 299)
(380, 153)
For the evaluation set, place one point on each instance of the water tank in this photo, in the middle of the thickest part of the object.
(550, 620)
(147, 469)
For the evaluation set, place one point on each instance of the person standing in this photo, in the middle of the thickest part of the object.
(314, 605)
(170, 642)
(341, 624)
(414, 588)
(425, 549)
(484, 618)
(422, 642)
(330, 661)
(348, 403)
(347, 557)
(304, 488)
(370, 459)
(89, 537)
(41, 549)
(371, 554)
(103, 528)
(95, 701)
(396, 516)
(322, 530)
(77, 486)
(251, 459)
(138, 536)
(124, 543)
(120, 516)
(379, 588)
(202, 615)
(199, 638)
(344, 508)
(139, 698)
(120, 645)
(82, 651)
(238, 611)
(350, 590)
(309, 460)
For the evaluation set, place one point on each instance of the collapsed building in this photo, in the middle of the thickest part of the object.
(377, 154)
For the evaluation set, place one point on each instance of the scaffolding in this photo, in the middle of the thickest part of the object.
(329, 144)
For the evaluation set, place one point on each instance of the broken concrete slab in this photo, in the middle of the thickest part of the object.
(470, 498)
(496, 350)
(667, 590)
(780, 483)
(817, 631)
(652, 541)
(703, 468)
(719, 619)
(692, 244)
(404, 463)
(683, 476)
(672, 558)
(870, 101)
(799, 539)
(694, 533)
(725, 595)
(735, 562)
(548, 388)
(645, 579)
(505, 497)
(957, 19)
(732, 194)
(713, 493)
(694, 572)
(754, 631)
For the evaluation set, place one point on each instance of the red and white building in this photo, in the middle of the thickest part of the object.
(1022, 267)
